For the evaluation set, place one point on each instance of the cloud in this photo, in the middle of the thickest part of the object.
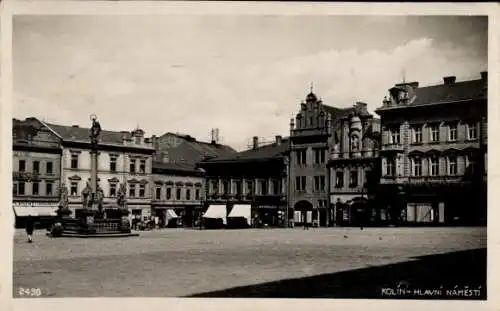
(173, 89)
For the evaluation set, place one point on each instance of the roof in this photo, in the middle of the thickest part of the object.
(260, 153)
(177, 167)
(443, 93)
(458, 91)
(191, 151)
(82, 134)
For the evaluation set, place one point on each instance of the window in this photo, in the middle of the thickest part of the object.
(417, 135)
(112, 190)
(197, 194)
(310, 121)
(49, 188)
(14, 189)
(35, 188)
(188, 194)
(417, 167)
(353, 179)
(470, 164)
(142, 191)
(472, 131)
(276, 187)
(22, 165)
(238, 187)
(300, 183)
(434, 133)
(301, 157)
(339, 179)
(394, 137)
(36, 166)
(74, 160)
(249, 187)
(142, 166)
(49, 168)
(225, 187)
(264, 187)
(21, 188)
(214, 186)
(178, 194)
(434, 166)
(112, 163)
(158, 193)
(390, 168)
(169, 193)
(137, 140)
(452, 132)
(132, 165)
(319, 156)
(131, 191)
(74, 188)
(319, 183)
(452, 165)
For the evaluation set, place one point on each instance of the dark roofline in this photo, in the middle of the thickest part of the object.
(185, 136)
(398, 107)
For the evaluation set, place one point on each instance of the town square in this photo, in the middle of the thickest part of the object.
(275, 263)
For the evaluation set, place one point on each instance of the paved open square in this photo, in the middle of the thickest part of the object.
(329, 262)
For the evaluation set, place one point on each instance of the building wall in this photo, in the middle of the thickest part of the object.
(174, 182)
(106, 178)
(29, 157)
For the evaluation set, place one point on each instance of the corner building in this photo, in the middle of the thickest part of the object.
(434, 152)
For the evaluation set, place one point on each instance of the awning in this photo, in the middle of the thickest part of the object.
(216, 211)
(24, 211)
(241, 210)
(171, 214)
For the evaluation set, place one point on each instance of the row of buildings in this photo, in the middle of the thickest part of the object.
(422, 162)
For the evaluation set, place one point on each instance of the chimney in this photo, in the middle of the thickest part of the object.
(484, 76)
(154, 141)
(449, 80)
(278, 139)
(75, 126)
(255, 142)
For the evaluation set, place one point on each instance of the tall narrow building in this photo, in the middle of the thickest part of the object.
(310, 138)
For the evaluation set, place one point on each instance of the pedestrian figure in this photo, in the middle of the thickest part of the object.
(30, 226)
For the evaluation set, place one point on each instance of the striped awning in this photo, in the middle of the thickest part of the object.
(35, 209)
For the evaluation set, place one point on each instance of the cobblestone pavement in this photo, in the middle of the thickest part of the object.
(179, 262)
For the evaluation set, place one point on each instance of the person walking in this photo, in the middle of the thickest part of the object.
(30, 226)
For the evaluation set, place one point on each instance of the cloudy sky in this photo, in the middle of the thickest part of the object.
(245, 75)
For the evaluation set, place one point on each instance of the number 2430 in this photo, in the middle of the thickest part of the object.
(30, 292)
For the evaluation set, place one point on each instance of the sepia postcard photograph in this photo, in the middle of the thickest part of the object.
(236, 155)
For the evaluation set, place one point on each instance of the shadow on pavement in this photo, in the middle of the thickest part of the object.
(457, 275)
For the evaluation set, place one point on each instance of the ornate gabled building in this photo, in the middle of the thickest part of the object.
(124, 158)
(310, 138)
(36, 170)
(433, 154)
(353, 157)
(253, 179)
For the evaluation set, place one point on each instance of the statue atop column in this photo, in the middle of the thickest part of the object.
(95, 131)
